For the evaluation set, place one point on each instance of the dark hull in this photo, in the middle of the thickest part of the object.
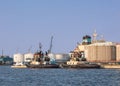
(82, 66)
(43, 66)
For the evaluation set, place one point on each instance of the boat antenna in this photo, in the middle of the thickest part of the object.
(29, 49)
(2, 52)
(17, 50)
(95, 35)
(50, 48)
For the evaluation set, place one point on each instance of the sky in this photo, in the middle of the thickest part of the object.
(26, 23)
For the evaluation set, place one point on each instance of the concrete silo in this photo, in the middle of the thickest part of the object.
(101, 52)
(118, 53)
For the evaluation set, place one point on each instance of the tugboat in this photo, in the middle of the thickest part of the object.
(78, 58)
(79, 62)
(81, 65)
(42, 60)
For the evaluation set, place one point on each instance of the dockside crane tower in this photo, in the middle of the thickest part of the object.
(50, 48)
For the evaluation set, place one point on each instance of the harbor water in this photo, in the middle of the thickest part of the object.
(59, 77)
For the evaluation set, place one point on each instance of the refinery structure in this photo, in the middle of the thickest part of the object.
(90, 53)
(90, 49)
(93, 50)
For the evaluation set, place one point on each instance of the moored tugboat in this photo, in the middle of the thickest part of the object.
(79, 62)
(78, 56)
(42, 60)
(80, 65)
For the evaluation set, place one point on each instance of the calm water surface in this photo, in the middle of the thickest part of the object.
(59, 77)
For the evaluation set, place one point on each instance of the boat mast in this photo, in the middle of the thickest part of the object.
(29, 50)
(2, 52)
(95, 36)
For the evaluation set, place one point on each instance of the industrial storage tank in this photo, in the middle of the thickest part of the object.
(101, 52)
(118, 53)
(18, 58)
(62, 57)
(28, 57)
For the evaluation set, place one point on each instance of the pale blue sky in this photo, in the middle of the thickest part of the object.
(25, 23)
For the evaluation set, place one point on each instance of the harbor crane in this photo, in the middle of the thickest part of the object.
(50, 48)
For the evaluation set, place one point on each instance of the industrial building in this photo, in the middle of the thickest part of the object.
(6, 60)
(97, 50)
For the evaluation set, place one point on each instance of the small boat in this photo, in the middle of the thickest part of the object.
(110, 66)
(18, 65)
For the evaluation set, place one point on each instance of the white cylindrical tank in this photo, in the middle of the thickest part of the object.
(62, 57)
(51, 55)
(28, 57)
(18, 58)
